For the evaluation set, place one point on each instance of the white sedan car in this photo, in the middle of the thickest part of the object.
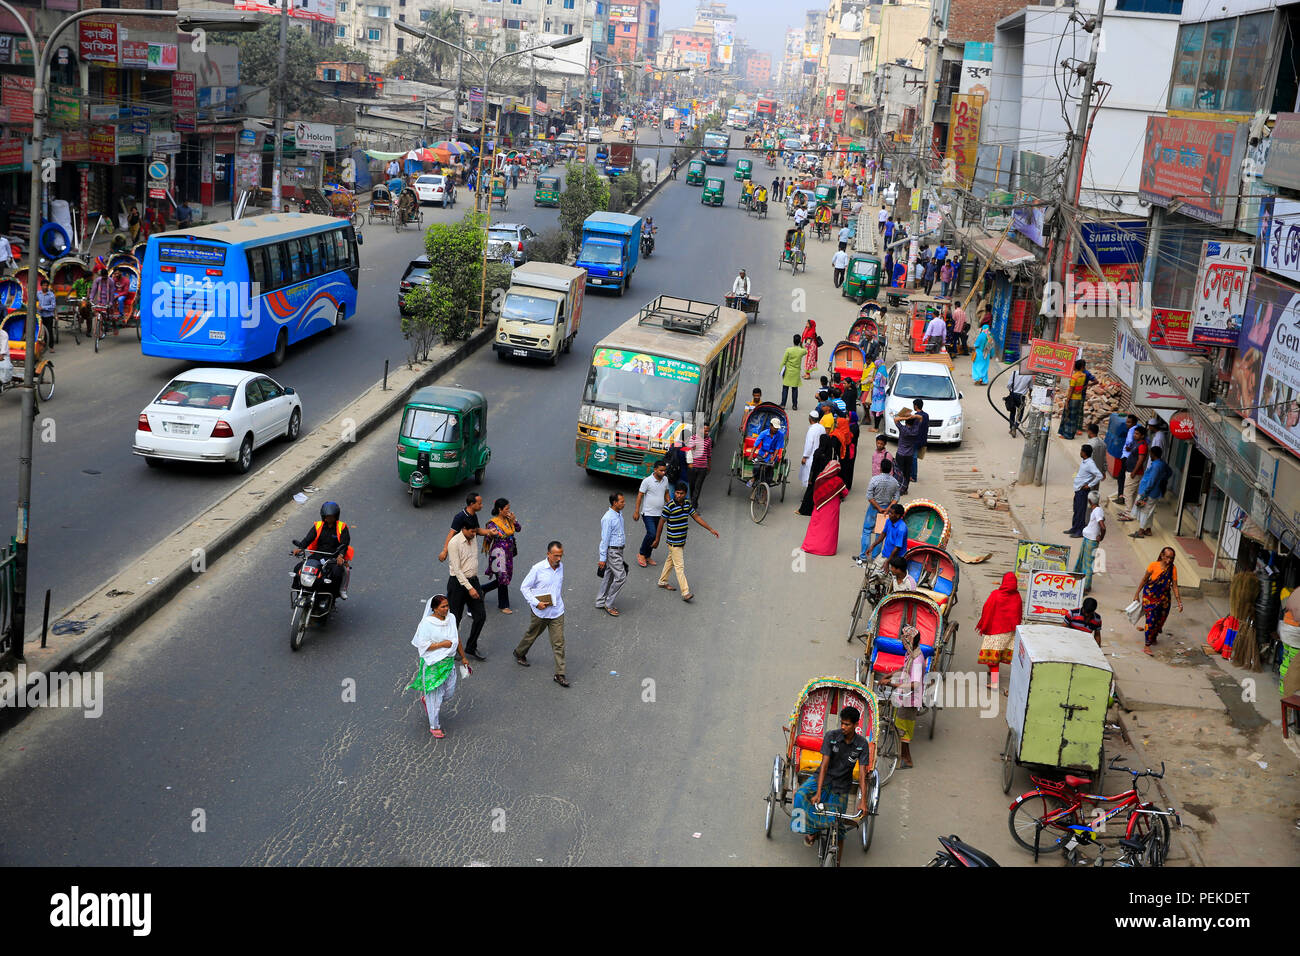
(216, 414)
(933, 384)
(594, 135)
(433, 187)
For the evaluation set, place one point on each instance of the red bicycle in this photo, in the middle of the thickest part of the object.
(1044, 819)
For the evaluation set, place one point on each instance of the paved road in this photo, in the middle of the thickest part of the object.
(660, 752)
(95, 506)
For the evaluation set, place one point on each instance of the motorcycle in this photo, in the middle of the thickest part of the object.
(419, 479)
(310, 594)
(648, 243)
(952, 852)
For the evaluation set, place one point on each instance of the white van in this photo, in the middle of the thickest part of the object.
(541, 311)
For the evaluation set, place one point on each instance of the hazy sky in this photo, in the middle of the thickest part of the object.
(761, 22)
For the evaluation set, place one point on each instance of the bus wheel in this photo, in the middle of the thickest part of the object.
(281, 347)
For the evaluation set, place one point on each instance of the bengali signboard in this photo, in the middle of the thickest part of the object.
(964, 136)
(321, 11)
(11, 155)
(1053, 595)
(1266, 375)
(133, 54)
(1040, 556)
(15, 50)
(1279, 237)
(1193, 162)
(976, 68)
(76, 146)
(1052, 358)
(16, 95)
(97, 41)
(623, 12)
(184, 102)
(65, 105)
(1172, 329)
(103, 145)
(1282, 168)
(1222, 283)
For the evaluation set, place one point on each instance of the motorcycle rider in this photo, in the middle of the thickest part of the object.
(330, 537)
(648, 235)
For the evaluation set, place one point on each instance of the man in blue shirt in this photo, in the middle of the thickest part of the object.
(1151, 489)
(769, 444)
(610, 566)
(895, 543)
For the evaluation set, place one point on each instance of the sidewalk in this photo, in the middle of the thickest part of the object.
(1217, 728)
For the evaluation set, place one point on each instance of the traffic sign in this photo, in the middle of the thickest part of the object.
(158, 171)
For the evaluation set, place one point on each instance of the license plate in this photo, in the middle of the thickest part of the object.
(179, 428)
(623, 468)
(519, 352)
(595, 281)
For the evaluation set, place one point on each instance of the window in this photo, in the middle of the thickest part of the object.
(401, 43)
(341, 33)
(516, 2)
(257, 268)
(568, 5)
(547, 27)
(275, 268)
(270, 391)
(372, 36)
(568, 29)
(373, 10)
(343, 6)
(294, 257)
(652, 11)
(252, 394)
(1222, 65)
(627, 28)
(426, 16)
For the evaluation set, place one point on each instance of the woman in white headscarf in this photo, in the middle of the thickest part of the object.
(437, 643)
(908, 685)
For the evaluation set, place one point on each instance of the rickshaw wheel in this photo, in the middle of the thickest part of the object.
(768, 814)
(45, 381)
(1008, 764)
(934, 713)
(868, 828)
(97, 330)
(785, 480)
(759, 502)
(887, 752)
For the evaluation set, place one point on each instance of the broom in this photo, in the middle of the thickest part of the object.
(1243, 595)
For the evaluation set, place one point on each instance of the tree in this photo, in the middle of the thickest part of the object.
(585, 192)
(258, 58)
(446, 306)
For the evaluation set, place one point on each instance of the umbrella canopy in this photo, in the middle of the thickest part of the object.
(454, 147)
(440, 155)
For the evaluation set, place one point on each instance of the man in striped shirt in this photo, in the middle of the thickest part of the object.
(674, 519)
(700, 448)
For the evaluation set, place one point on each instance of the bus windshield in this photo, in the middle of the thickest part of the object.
(528, 308)
(641, 382)
(716, 139)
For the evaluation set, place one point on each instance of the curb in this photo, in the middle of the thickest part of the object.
(95, 646)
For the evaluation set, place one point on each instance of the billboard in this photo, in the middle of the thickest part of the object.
(964, 136)
(1267, 372)
(321, 11)
(622, 13)
(723, 40)
(1222, 281)
(976, 68)
(853, 16)
(1193, 162)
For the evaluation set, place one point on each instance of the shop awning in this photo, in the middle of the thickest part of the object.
(995, 249)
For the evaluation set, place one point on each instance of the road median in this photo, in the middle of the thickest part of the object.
(104, 617)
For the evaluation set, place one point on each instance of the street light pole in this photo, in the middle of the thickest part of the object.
(39, 107)
(281, 67)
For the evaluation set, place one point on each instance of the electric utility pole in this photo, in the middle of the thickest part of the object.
(277, 174)
(1034, 458)
(455, 113)
(925, 132)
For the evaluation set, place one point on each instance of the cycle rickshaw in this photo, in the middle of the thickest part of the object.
(849, 360)
(743, 465)
(112, 319)
(498, 193)
(793, 252)
(381, 204)
(65, 273)
(815, 712)
(407, 209)
(15, 326)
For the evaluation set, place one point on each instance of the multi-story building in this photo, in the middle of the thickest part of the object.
(792, 61)
(758, 69)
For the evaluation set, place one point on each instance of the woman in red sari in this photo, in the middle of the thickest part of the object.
(823, 536)
(809, 341)
(1003, 612)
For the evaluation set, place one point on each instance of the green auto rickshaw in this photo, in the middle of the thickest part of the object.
(862, 278)
(442, 441)
(714, 193)
(547, 191)
(825, 194)
(744, 170)
(695, 173)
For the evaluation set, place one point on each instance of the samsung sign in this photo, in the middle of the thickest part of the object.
(1115, 243)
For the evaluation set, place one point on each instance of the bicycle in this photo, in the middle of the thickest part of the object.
(875, 585)
(1057, 806)
(830, 841)
(760, 491)
(1151, 852)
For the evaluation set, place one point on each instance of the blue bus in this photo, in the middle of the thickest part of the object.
(240, 291)
(716, 143)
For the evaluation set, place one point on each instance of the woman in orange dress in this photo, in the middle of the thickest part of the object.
(809, 341)
(1155, 591)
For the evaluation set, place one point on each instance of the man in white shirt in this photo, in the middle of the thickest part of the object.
(543, 589)
(650, 500)
(882, 219)
(610, 566)
(6, 366)
(815, 431)
(740, 289)
(839, 263)
(936, 333)
(800, 215)
(1086, 481)
(6, 255)
(844, 237)
(1093, 534)
(1017, 395)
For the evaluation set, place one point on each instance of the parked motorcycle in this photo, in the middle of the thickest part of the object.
(311, 594)
(952, 852)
